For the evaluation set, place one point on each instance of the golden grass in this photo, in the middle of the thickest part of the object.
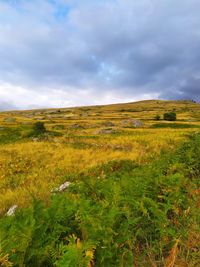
(29, 168)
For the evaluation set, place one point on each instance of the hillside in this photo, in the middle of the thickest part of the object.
(100, 185)
(93, 116)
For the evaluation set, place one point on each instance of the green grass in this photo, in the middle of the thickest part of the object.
(9, 135)
(133, 196)
(174, 125)
(117, 214)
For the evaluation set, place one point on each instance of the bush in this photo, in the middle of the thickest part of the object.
(39, 128)
(157, 117)
(170, 116)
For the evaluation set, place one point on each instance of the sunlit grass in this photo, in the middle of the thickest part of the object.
(33, 167)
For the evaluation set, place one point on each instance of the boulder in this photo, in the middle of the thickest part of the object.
(132, 123)
(11, 210)
(137, 123)
(62, 187)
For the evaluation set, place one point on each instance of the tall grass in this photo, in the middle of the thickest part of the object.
(119, 214)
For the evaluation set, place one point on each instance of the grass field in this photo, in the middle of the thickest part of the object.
(132, 177)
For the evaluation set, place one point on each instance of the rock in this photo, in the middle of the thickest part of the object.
(10, 120)
(132, 123)
(11, 210)
(137, 123)
(62, 187)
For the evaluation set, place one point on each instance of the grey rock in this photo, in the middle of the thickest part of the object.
(62, 187)
(132, 123)
(137, 123)
(11, 210)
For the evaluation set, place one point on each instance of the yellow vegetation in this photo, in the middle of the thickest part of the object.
(33, 167)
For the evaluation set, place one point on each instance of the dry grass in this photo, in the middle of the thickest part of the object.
(29, 167)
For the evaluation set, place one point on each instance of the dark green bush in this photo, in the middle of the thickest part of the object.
(157, 117)
(170, 116)
(39, 128)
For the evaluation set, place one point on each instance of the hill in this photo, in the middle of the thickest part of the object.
(100, 185)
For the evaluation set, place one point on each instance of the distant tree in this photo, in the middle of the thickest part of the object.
(157, 117)
(39, 128)
(170, 116)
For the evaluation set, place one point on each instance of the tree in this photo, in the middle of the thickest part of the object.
(39, 128)
(170, 116)
(157, 117)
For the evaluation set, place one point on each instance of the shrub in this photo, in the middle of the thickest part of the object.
(39, 128)
(157, 117)
(170, 116)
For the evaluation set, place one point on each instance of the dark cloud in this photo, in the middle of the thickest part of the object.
(190, 89)
(6, 106)
(132, 49)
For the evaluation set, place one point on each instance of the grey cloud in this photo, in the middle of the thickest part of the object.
(6, 106)
(150, 49)
(190, 89)
(132, 47)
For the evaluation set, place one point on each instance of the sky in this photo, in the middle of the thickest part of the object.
(62, 53)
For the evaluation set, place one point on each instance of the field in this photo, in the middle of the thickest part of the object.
(133, 191)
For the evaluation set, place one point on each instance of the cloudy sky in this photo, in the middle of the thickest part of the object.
(58, 53)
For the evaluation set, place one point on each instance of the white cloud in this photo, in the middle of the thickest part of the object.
(25, 98)
(99, 52)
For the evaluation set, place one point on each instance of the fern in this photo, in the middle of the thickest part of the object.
(130, 214)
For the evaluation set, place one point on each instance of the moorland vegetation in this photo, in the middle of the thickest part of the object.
(132, 194)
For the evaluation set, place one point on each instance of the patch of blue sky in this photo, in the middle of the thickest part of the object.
(61, 12)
